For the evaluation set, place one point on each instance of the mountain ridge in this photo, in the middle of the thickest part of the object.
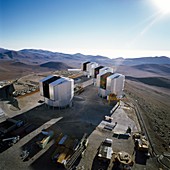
(41, 56)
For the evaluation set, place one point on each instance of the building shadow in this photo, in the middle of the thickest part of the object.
(99, 164)
(140, 157)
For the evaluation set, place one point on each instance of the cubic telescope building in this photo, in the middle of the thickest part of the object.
(115, 84)
(57, 91)
(110, 83)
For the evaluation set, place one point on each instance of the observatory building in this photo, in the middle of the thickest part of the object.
(101, 83)
(96, 71)
(110, 83)
(84, 66)
(57, 91)
(105, 70)
(90, 68)
(115, 84)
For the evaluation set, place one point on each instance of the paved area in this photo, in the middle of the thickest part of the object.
(85, 116)
(87, 112)
(100, 133)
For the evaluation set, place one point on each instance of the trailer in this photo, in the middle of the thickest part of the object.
(69, 150)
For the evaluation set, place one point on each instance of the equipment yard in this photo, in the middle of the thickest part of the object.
(89, 114)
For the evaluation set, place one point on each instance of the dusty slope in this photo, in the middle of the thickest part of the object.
(14, 69)
(155, 107)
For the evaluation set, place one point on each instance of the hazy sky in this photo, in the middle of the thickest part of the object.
(114, 28)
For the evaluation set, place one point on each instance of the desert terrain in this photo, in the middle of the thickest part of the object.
(147, 90)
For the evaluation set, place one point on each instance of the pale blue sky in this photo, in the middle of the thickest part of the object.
(114, 28)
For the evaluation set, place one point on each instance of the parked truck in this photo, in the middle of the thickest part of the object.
(141, 143)
(105, 151)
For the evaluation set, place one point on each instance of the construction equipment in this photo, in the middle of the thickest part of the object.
(113, 98)
(11, 140)
(141, 142)
(68, 150)
(46, 136)
(24, 154)
(124, 160)
(78, 89)
(105, 150)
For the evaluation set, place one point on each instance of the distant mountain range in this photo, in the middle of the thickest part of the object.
(40, 57)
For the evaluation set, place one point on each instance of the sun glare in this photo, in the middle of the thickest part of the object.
(163, 5)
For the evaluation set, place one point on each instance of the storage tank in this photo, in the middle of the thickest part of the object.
(115, 84)
(57, 91)
(90, 68)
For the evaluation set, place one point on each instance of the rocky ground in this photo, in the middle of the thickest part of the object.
(155, 108)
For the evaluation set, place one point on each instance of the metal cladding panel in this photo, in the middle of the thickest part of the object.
(110, 81)
(96, 71)
(88, 67)
(84, 66)
(63, 92)
(46, 78)
(106, 69)
(98, 80)
(46, 84)
(117, 84)
(41, 84)
(54, 88)
(91, 69)
(102, 92)
(103, 80)
(41, 88)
